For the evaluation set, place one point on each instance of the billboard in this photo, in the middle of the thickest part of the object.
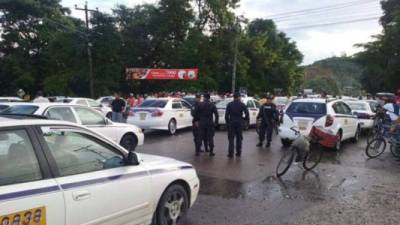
(161, 74)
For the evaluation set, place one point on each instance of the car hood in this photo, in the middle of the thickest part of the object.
(125, 125)
(155, 161)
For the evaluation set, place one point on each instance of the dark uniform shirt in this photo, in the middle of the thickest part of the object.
(117, 105)
(205, 113)
(195, 112)
(234, 112)
(268, 113)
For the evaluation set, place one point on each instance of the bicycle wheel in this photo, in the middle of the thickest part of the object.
(285, 162)
(312, 158)
(395, 149)
(372, 134)
(375, 147)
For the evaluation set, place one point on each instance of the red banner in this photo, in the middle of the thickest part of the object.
(161, 74)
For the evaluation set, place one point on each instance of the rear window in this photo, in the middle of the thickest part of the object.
(21, 109)
(154, 103)
(2, 107)
(307, 108)
(357, 106)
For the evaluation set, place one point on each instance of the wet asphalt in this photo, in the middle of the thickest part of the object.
(346, 188)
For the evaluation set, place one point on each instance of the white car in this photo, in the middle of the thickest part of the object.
(106, 110)
(364, 112)
(105, 100)
(167, 114)
(127, 135)
(335, 116)
(59, 173)
(11, 99)
(252, 105)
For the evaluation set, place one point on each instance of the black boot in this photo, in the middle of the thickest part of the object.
(259, 144)
(212, 154)
(268, 145)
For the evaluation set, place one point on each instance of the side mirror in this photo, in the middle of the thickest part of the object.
(132, 159)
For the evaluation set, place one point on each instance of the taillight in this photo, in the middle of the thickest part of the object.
(157, 113)
(329, 121)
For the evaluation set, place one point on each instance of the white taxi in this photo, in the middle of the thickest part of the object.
(334, 116)
(59, 173)
(127, 135)
(167, 114)
(252, 105)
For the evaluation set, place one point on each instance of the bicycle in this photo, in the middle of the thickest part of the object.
(377, 145)
(307, 149)
(378, 125)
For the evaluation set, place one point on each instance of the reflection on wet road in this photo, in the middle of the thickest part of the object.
(346, 188)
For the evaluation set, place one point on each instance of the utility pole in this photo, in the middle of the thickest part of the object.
(88, 46)
(237, 31)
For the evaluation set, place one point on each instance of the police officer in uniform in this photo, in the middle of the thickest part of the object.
(195, 121)
(235, 122)
(205, 113)
(268, 115)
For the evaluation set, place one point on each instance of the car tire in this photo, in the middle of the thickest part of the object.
(129, 142)
(172, 127)
(357, 135)
(338, 144)
(109, 115)
(286, 142)
(173, 205)
(246, 125)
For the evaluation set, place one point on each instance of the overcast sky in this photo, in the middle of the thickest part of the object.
(314, 41)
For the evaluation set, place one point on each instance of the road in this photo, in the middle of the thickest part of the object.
(345, 189)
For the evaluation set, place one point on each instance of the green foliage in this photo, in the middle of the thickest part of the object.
(381, 57)
(343, 71)
(323, 84)
(42, 47)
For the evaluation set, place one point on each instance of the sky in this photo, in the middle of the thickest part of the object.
(304, 21)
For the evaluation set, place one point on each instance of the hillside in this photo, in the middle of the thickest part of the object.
(336, 75)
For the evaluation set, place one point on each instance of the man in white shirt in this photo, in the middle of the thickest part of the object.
(393, 110)
(39, 98)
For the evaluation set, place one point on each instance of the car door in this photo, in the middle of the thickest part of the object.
(253, 111)
(187, 114)
(63, 113)
(28, 193)
(98, 188)
(351, 120)
(96, 121)
(179, 112)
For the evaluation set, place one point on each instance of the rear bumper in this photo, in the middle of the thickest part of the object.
(149, 123)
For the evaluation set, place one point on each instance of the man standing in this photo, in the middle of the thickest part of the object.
(195, 122)
(269, 116)
(235, 122)
(118, 107)
(205, 113)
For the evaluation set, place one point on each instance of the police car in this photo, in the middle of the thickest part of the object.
(334, 116)
(127, 135)
(59, 173)
(252, 105)
(168, 114)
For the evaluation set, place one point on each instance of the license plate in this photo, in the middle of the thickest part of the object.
(302, 125)
(35, 216)
(142, 116)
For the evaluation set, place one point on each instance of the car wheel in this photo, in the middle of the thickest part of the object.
(129, 142)
(286, 142)
(172, 127)
(357, 134)
(246, 125)
(109, 115)
(338, 144)
(173, 206)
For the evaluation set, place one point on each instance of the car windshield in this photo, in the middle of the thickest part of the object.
(281, 101)
(224, 103)
(357, 106)
(154, 103)
(21, 109)
(307, 108)
(190, 100)
(3, 107)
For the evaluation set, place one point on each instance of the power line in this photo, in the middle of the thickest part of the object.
(320, 9)
(330, 24)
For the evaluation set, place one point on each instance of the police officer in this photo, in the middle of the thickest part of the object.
(205, 113)
(235, 122)
(195, 121)
(269, 115)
